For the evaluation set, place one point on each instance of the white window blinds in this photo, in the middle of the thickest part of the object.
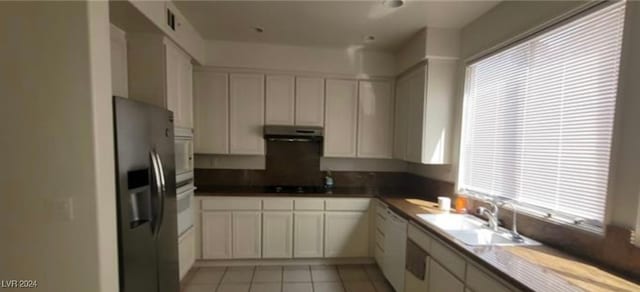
(538, 117)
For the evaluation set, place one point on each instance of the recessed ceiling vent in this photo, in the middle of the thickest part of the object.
(393, 3)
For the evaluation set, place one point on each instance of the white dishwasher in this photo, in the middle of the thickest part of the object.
(395, 244)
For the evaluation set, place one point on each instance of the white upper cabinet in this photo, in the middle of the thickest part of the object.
(309, 101)
(375, 119)
(441, 89)
(401, 120)
(179, 85)
(415, 114)
(341, 118)
(119, 79)
(429, 95)
(211, 106)
(280, 103)
(246, 113)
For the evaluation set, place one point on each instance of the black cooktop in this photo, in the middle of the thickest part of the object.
(295, 189)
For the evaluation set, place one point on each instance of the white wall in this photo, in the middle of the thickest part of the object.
(514, 18)
(57, 147)
(625, 170)
(507, 20)
(352, 61)
(428, 43)
(501, 24)
(412, 52)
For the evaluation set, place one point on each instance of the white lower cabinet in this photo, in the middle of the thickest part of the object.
(347, 234)
(247, 229)
(277, 235)
(216, 235)
(479, 281)
(441, 280)
(308, 234)
(186, 252)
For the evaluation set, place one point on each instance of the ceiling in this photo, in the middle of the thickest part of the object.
(327, 23)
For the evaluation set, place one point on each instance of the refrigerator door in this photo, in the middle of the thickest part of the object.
(162, 141)
(135, 189)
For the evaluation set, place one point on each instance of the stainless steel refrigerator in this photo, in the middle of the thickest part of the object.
(146, 197)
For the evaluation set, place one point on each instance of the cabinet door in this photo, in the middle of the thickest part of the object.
(375, 120)
(441, 280)
(481, 281)
(185, 99)
(341, 118)
(415, 116)
(309, 101)
(211, 133)
(401, 119)
(308, 233)
(277, 234)
(119, 77)
(172, 71)
(216, 235)
(186, 252)
(246, 114)
(438, 110)
(347, 234)
(246, 235)
(280, 103)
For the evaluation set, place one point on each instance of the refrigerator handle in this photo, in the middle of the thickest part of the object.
(158, 187)
(163, 191)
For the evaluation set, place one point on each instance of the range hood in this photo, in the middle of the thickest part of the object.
(293, 133)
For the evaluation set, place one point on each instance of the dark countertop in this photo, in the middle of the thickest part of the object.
(262, 191)
(528, 268)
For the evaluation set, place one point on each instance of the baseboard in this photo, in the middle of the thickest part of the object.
(284, 262)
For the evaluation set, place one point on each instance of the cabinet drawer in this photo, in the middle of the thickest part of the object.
(380, 223)
(348, 204)
(441, 280)
(449, 259)
(420, 237)
(381, 209)
(380, 239)
(309, 204)
(231, 204)
(277, 204)
(481, 281)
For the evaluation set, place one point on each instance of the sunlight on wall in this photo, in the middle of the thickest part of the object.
(380, 11)
(438, 151)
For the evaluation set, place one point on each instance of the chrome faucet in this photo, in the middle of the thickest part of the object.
(492, 215)
(515, 236)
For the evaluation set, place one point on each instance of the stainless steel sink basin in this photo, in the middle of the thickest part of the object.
(472, 231)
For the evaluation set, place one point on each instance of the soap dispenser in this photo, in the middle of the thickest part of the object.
(328, 180)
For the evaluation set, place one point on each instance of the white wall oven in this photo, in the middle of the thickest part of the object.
(184, 178)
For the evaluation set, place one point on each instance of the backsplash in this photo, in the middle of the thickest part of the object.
(367, 181)
(612, 249)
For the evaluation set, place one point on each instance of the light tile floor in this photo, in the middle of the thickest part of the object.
(341, 278)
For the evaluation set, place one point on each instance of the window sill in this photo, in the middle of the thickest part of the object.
(539, 216)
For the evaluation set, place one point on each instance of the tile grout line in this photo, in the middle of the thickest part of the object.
(282, 278)
(221, 278)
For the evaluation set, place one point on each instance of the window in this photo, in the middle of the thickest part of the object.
(538, 118)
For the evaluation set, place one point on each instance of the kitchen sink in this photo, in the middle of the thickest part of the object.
(472, 231)
(488, 237)
(452, 221)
